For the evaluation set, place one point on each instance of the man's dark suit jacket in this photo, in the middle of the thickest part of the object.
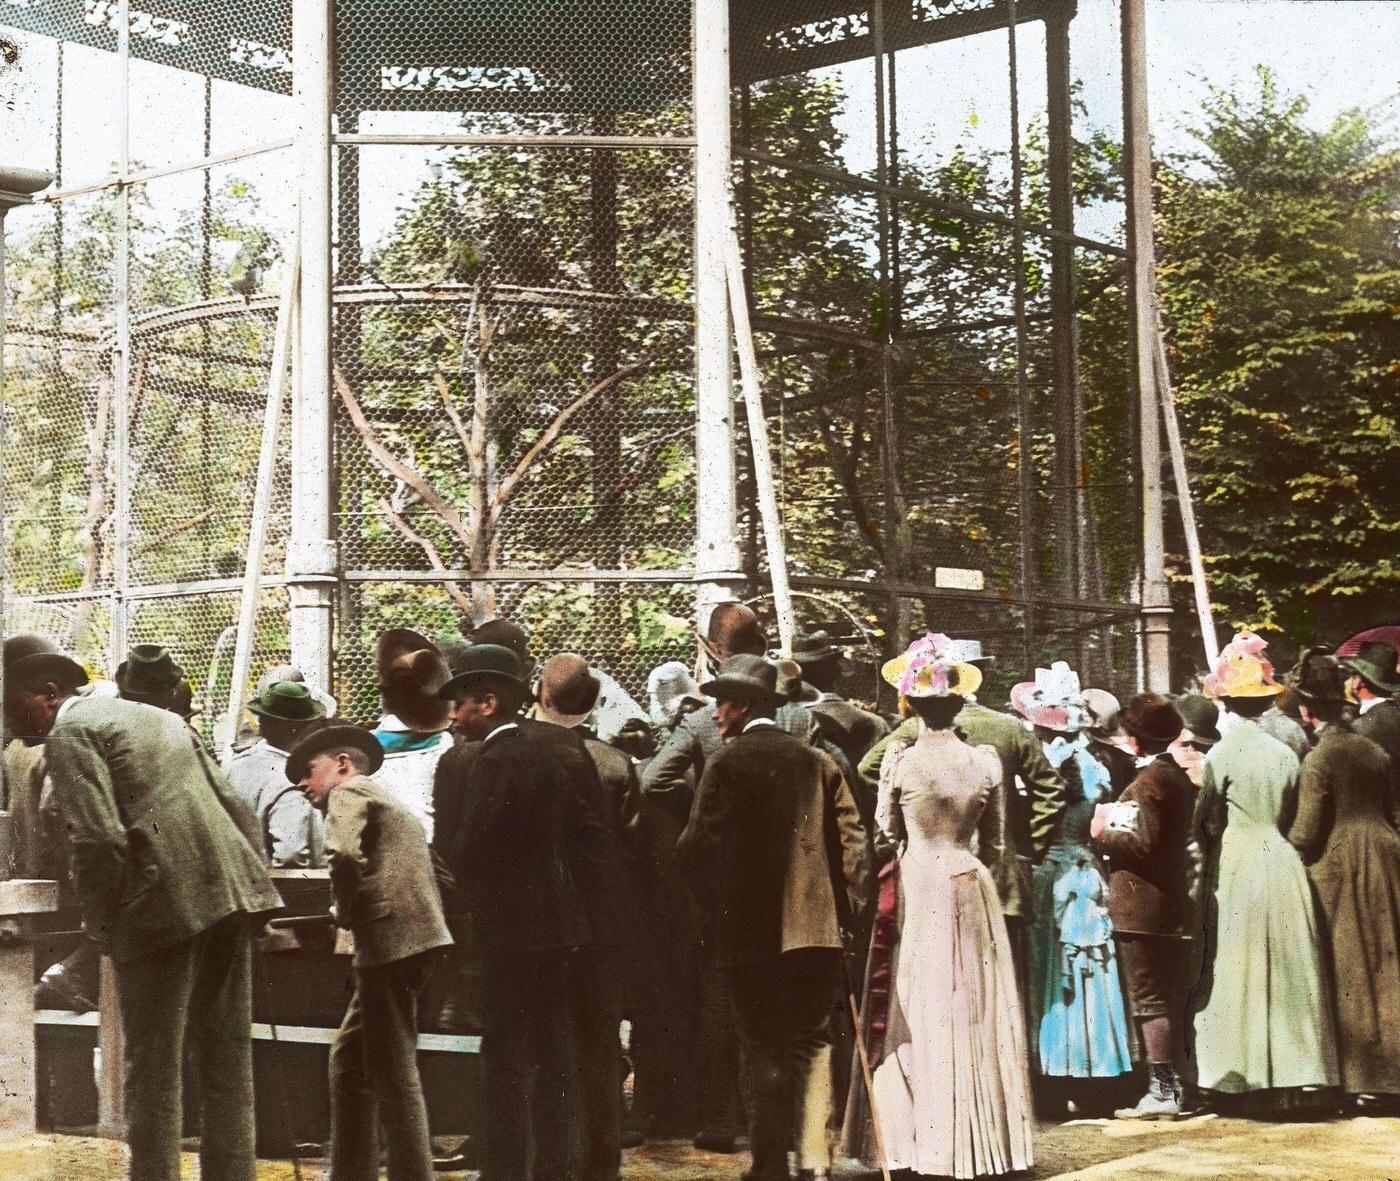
(774, 847)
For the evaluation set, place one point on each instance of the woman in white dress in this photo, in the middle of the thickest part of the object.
(942, 1020)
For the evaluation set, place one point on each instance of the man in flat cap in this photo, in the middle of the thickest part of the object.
(168, 875)
(292, 830)
(386, 894)
(775, 850)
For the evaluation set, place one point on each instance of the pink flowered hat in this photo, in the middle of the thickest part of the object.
(1242, 670)
(1053, 700)
(931, 668)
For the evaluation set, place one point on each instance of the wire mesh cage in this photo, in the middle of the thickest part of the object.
(930, 208)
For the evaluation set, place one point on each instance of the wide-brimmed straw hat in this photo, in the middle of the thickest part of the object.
(1375, 664)
(568, 689)
(333, 737)
(30, 660)
(745, 677)
(1053, 700)
(1242, 670)
(929, 668)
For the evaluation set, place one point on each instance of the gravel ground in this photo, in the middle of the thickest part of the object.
(1203, 1149)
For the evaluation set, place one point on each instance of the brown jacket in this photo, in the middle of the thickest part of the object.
(382, 875)
(773, 836)
(1147, 866)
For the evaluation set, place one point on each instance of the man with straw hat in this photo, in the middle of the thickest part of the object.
(293, 832)
(169, 875)
(775, 850)
(1373, 681)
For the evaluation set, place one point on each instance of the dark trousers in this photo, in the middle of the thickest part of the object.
(374, 1076)
(597, 1015)
(720, 1101)
(529, 1084)
(201, 990)
(783, 1009)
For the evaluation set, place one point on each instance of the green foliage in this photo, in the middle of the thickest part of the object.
(1280, 286)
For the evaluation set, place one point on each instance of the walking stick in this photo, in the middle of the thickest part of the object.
(289, 921)
(854, 1013)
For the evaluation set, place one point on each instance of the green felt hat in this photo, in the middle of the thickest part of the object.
(1375, 664)
(288, 701)
(149, 670)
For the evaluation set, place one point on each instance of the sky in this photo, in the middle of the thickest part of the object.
(1340, 53)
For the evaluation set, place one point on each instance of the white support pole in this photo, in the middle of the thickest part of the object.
(717, 561)
(1183, 500)
(1156, 597)
(758, 440)
(262, 500)
(311, 551)
(121, 355)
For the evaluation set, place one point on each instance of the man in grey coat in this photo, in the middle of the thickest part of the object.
(168, 875)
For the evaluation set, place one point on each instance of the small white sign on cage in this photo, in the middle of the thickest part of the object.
(956, 578)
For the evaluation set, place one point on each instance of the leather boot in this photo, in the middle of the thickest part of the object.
(1163, 1098)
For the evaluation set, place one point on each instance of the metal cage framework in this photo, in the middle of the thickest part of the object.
(511, 387)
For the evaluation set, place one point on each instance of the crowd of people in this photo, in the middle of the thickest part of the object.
(749, 908)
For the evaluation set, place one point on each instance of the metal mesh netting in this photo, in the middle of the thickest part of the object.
(201, 246)
(933, 237)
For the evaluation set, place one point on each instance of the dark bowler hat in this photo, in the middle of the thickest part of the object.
(148, 670)
(323, 738)
(505, 634)
(1319, 676)
(32, 660)
(288, 701)
(1151, 717)
(1201, 715)
(568, 689)
(1375, 664)
(814, 648)
(744, 677)
(483, 665)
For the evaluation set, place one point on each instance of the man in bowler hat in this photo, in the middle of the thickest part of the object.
(168, 875)
(775, 850)
(386, 894)
(532, 857)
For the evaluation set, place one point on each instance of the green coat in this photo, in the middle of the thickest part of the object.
(1015, 830)
(162, 848)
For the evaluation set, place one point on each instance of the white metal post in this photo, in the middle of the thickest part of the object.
(244, 642)
(121, 355)
(716, 516)
(311, 553)
(764, 488)
(1156, 598)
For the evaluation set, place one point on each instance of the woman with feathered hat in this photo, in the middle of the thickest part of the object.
(943, 1022)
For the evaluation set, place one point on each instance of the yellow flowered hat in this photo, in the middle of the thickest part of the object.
(1242, 670)
(930, 668)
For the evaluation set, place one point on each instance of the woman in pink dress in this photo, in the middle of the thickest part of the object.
(943, 1023)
